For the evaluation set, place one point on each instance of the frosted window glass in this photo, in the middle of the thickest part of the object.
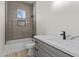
(21, 13)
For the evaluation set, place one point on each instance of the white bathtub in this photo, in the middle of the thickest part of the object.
(17, 41)
(16, 45)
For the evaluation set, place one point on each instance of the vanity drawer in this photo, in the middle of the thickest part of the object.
(53, 50)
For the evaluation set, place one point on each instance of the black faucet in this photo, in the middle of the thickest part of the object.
(64, 35)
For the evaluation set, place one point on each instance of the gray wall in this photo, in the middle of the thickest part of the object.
(14, 30)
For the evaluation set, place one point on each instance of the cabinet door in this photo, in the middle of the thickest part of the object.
(42, 53)
(41, 49)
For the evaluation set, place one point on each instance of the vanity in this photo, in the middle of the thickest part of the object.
(52, 47)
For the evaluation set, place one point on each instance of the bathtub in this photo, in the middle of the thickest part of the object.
(16, 45)
(17, 41)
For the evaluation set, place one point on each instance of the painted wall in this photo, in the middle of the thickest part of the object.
(2, 26)
(54, 19)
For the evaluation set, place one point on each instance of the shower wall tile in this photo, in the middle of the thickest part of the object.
(14, 30)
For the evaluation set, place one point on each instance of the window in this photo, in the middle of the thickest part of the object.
(21, 14)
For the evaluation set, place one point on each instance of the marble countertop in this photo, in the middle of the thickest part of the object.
(69, 46)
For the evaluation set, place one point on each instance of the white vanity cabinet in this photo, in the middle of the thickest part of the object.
(43, 49)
